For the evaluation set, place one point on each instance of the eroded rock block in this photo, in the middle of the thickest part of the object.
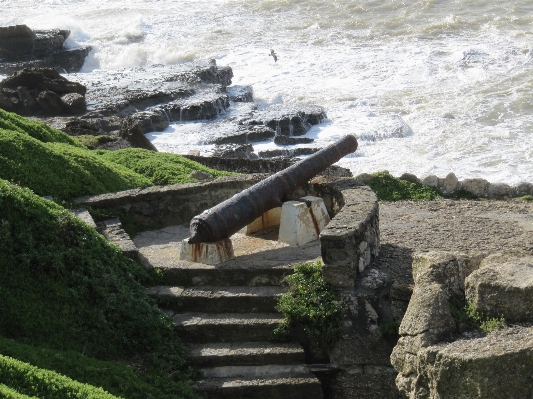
(503, 286)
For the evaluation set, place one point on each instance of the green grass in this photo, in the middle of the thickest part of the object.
(311, 302)
(63, 286)
(390, 188)
(29, 380)
(468, 318)
(160, 168)
(527, 198)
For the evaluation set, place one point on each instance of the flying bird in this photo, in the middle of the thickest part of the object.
(273, 54)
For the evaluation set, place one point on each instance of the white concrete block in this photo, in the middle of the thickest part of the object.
(208, 253)
(297, 226)
(318, 211)
(268, 219)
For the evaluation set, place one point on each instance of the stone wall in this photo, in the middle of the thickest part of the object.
(162, 206)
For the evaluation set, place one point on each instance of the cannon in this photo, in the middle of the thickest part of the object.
(228, 217)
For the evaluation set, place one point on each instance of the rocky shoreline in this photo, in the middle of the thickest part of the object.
(117, 109)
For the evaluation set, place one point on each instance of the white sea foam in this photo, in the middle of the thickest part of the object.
(429, 87)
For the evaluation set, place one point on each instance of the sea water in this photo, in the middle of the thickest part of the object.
(428, 86)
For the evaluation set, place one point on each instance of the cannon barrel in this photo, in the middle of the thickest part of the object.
(230, 216)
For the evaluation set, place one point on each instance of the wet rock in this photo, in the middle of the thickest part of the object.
(20, 48)
(74, 103)
(131, 132)
(151, 121)
(274, 153)
(37, 91)
(78, 127)
(289, 122)
(286, 140)
(304, 151)
(235, 151)
(243, 94)
(16, 43)
(50, 103)
(260, 133)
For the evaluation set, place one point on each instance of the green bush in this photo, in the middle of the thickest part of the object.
(59, 169)
(64, 286)
(114, 377)
(527, 198)
(312, 302)
(9, 393)
(161, 168)
(38, 130)
(390, 188)
(468, 318)
(33, 381)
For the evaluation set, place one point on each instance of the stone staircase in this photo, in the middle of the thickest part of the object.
(226, 314)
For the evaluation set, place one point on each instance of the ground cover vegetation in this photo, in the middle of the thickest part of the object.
(390, 188)
(468, 318)
(68, 298)
(310, 302)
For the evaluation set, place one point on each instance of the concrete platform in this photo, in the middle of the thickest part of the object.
(260, 260)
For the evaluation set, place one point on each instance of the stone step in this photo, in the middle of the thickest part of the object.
(220, 354)
(225, 327)
(218, 299)
(303, 386)
(231, 274)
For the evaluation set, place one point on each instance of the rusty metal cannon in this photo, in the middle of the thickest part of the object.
(230, 216)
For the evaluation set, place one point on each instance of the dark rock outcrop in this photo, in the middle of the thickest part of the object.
(131, 132)
(235, 151)
(41, 91)
(20, 48)
(286, 140)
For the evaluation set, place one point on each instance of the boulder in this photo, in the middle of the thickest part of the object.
(478, 187)
(430, 180)
(410, 177)
(42, 90)
(16, 43)
(50, 103)
(498, 190)
(451, 183)
(503, 286)
(285, 121)
(74, 103)
(20, 48)
(131, 132)
(497, 365)
(243, 94)
(78, 127)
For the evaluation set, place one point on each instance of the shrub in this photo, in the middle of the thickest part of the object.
(33, 381)
(312, 302)
(60, 169)
(161, 168)
(527, 198)
(64, 286)
(37, 130)
(10, 393)
(390, 188)
(114, 377)
(468, 318)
